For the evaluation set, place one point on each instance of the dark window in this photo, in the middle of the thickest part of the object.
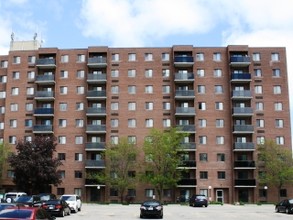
(283, 192)
(60, 191)
(203, 157)
(61, 156)
(113, 192)
(77, 174)
(221, 175)
(203, 175)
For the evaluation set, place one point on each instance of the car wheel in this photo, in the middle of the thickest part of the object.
(69, 212)
(161, 216)
(277, 209)
(79, 209)
(141, 216)
(287, 211)
(62, 214)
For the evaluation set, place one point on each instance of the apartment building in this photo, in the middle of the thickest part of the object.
(229, 99)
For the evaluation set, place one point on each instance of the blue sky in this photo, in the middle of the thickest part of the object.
(150, 23)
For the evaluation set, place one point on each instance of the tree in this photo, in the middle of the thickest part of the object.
(121, 163)
(34, 167)
(276, 165)
(162, 159)
(4, 152)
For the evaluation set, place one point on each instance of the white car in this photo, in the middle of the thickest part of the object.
(10, 197)
(73, 200)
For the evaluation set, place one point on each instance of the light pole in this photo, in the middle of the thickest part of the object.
(210, 193)
(265, 192)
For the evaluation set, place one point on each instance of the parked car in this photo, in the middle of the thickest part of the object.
(29, 213)
(6, 205)
(198, 200)
(285, 205)
(57, 207)
(47, 196)
(151, 208)
(73, 200)
(29, 201)
(12, 196)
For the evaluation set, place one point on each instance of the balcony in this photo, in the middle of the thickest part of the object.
(244, 164)
(242, 111)
(239, 61)
(183, 61)
(46, 63)
(187, 164)
(184, 94)
(186, 128)
(96, 129)
(95, 146)
(93, 182)
(248, 146)
(94, 94)
(243, 129)
(184, 77)
(93, 111)
(191, 146)
(245, 183)
(96, 62)
(44, 95)
(240, 77)
(185, 111)
(96, 78)
(95, 164)
(44, 112)
(43, 129)
(244, 94)
(184, 182)
(45, 79)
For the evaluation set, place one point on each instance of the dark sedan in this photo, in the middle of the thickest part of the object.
(151, 208)
(57, 207)
(29, 201)
(198, 200)
(285, 205)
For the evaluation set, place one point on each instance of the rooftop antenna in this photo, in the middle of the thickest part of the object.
(35, 36)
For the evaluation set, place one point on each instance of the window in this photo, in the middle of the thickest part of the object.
(279, 123)
(148, 57)
(221, 157)
(79, 123)
(149, 193)
(275, 57)
(203, 140)
(64, 74)
(2, 94)
(131, 89)
(79, 140)
(64, 59)
(61, 140)
(202, 123)
(260, 123)
(256, 56)
(16, 60)
(166, 106)
(80, 58)
(29, 107)
(14, 91)
(203, 175)
(165, 56)
(219, 106)
(217, 73)
(201, 89)
(219, 123)
(148, 73)
(3, 79)
(131, 139)
(283, 192)
(62, 123)
(199, 57)
(149, 106)
(80, 74)
(200, 72)
(131, 123)
(15, 75)
(259, 106)
(77, 174)
(114, 89)
(13, 123)
(2, 128)
(217, 56)
(12, 139)
(2, 109)
(30, 91)
(61, 156)
(166, 123)
(80, 90)
(166, 89)
(277, 90)
(78, 157)
(4, 63)
(260, 140)
(28, 123)
(60, 191)
(149, 123)
(280, 140)
(63, 90)
(115, 106)
(131, 106)
(30, 75)
(114, 73)
(115, 57)
(166, 73)
(278, 106)
(131, 57)
(257, 73)
(148, 89)
(79, 106)
(61, 173)
(220, 140)
(114, 139)
(218, 89)
(63, 106)
(258, 89)
(114, 123)
(202, 106)
(131, 73)
(221, 175)
(14, 107)
(276, 73)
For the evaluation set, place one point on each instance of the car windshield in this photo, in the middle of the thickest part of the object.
(24, 199)
(152, 203)
(290, 201)
(16, 213)
(68, 198)
(200, 197)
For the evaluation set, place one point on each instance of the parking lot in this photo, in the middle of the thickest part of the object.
(180, 212)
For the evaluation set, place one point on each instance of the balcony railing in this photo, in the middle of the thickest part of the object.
(44, 95)
(244, 164)
(94, 146)
(185, 111)
(97, 62)
(46, 63)
(184, 77)
(188, 146)
(44, 112)
(248, 146)
(240, 60)
(243, 128)
(45, 79)
(42, 129)
(240, 77)
(183, 61)
(93, 182)
(188, 163)
(96, 111)
(94, 164)
(186, 182)
(242, 111)
(186, 128)
(184, 94)
(245, 182)
(96, 78)
(93, 94)
(96, 128)
(244, 94)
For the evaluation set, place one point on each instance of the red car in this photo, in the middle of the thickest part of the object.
(28, 213)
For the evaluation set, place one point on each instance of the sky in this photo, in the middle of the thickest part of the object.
(150, 23)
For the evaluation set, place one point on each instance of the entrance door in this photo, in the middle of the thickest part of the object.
(243, 195)
(220, 195)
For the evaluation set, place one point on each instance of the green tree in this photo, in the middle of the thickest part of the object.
(275, 165)
(34, 167)
(4, 152)
(120, 167)
(162, 159)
